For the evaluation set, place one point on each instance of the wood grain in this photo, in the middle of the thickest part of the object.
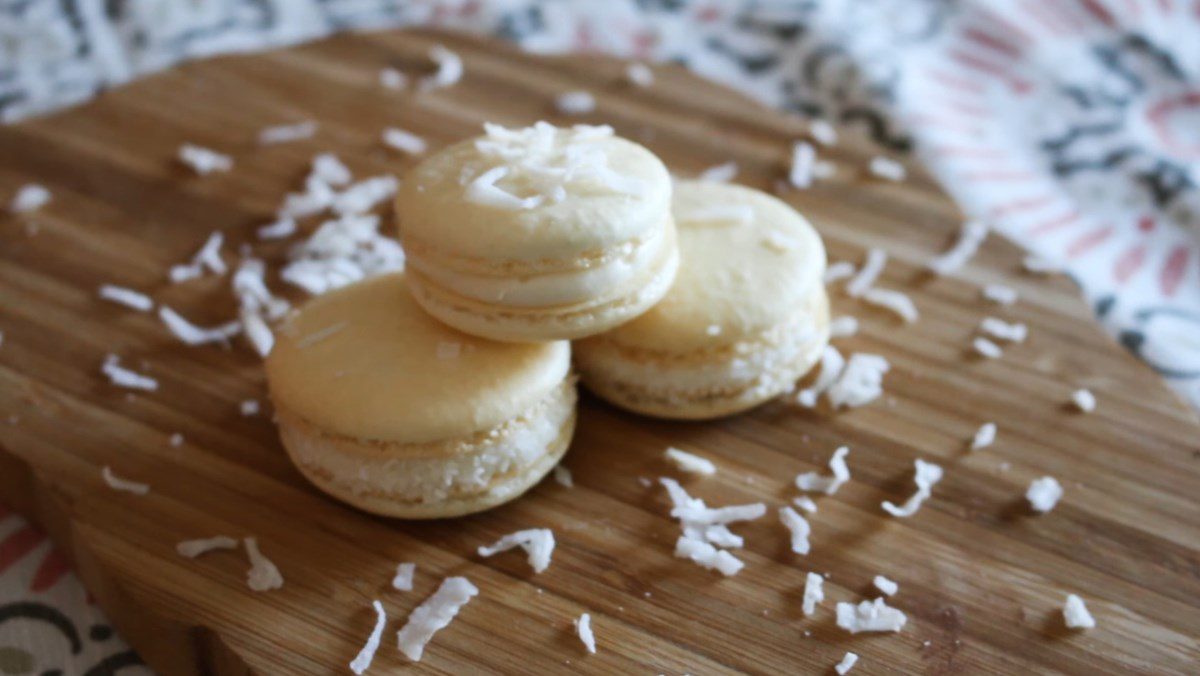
(981, 579)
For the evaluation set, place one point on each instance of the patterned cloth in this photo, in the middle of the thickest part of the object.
(1073, 127)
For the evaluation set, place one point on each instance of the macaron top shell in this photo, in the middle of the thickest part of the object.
(365, 361)
(748, 262)
(583, 191)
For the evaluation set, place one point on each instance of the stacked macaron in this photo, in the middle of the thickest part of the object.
(448, 389)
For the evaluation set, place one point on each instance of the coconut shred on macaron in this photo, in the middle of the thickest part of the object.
(539, 233)
(746, 317)
(385, 408)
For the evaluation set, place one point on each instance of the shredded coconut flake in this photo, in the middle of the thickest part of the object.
(257, 332)
(811, 481)
(870, 271)
(823, 132)
(403, 580)
(191, 334)
(806, 503)
(843, 327)
(483, 190)
(204, 161)
(342, 251)
(123, 377)
(798, 527)
(249, 407)
(998, 328)
(29, 197)
(118, 484)
(869, 616)
(575, 103)
(895, 301)
(449, 69)
(562, 476)
(404, 141)
(814, 593)
(263, 575)
(134, 300)
(888, 587)
(704, 527)
(925, 476)
(860, 383)
(847, 663)
(191, 549)
(639, 74)
(970, 238)
(887, 169)
(433, 615)
(986, 348)
(984, 436)
(287, 133)
(839, 271)
(1040, 266)
(690, 462)
(832, 364)
(361, 197)
(390, 78)
(538, 544)
(279, 229)
(721, 173)
(328, 169)
(1084, 400)
(1044, 494)
(363, 660)
(707, 556)
(999, 294)
(176, 440)
(1076, 614)
(800, 174)
(208, 257)
(583, 625)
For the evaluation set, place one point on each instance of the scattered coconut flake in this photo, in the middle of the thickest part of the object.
(29, 197)
(690, 462)
(483, 190)
(135, 300)
(257, 332)
(403, 580)
(888, 587)
(986, 348)
(718, 535)
(449, 69)
(870, 271)
(341, 251)
(832, 364)
(814, 593)
(847, 663)
(363, 660)
(639, 74)
(926, 475)
(176, 440)
(538, 544)
(286, 133)
(1084, 400)
(249, 407)
(328, 169)
(707, 556)
(208, 256)
(984, 436)
(1044, 494)
(870, 616)
(118, 484)
(839, 271)
(191, 334)
(562, 476)
(361, 197)
(806, 503)
(575, 103)
(404, 141)
(190, 549)
(998, 328)
(693, 514)
(280, 228)
(970, 238)
(800, 174)
(737, 213)
(823, 132)
(799, 528)
(811, 481)
(263, 575)
(824, 170)
(1076, 615)
(122, 377)
(895, 301)
(204, 161)
(390, 78)
(249, 283)
(860, 383)
(720, 173)
(433, 615)
(843, 327)
(999, 294)
(1040, 266)
(887, 169)
(583, 625)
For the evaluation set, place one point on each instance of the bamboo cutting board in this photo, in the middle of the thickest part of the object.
(982, 580)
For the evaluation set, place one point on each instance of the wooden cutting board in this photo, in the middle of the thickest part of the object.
(981, 579)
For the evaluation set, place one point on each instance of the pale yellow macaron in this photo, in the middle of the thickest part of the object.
(746, 317)
(385, 408)
(539, 233)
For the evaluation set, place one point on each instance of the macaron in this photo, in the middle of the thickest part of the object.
(383, 407)
(541, 233)
(746, 317)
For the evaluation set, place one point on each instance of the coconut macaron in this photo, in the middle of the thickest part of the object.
(746, 317)
(541, 233)
(383, 407)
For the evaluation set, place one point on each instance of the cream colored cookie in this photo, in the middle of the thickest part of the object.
(383, 407)
(539, 233)
(745, 318)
